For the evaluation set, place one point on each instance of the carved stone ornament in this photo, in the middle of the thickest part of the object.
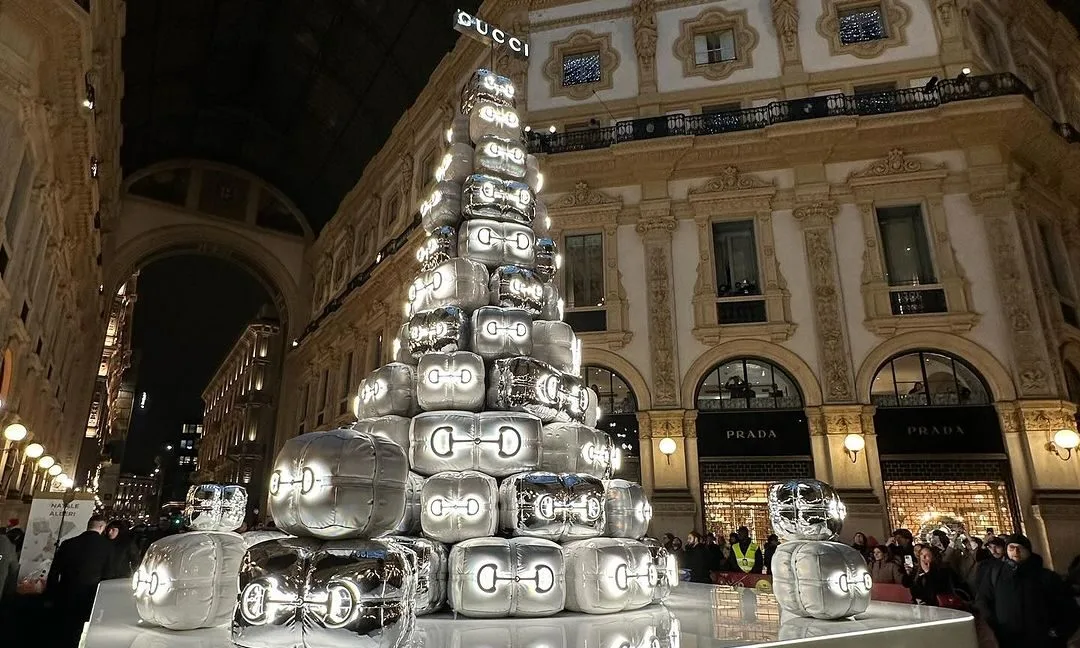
(644, 14)
(581, 42)
(730, 179)
(655, 227)
(785, 15)
(895, 163)
(716, 20)
(583, 196)
(896, 17)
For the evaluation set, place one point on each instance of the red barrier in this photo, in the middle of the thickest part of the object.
(890, 593)
(881, 592)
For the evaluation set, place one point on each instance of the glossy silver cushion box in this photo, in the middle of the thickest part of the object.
(390, 389)
(307, 593)
(338, 484)
(820, 579)
(215, 507)
(554, 307)
(525, 384)
(627, 509)
(457, 282)
(667, 568)
(500, 577)
(495, 443)
(457, 163)
(547, 254)
(496, 244)
(409, 522)
(188, 581)
(556, 344)
(501, 157)
(252, 538)
(451, 381)
(442, 206)
(606, 575)
(553, 506)
(501, 332)
(432, 562)
(439, 246)
(512, 286)
(485, 85)
(490, 118)
(577, 448)
(442, 329)
(458, 505)
(395, 428)
(806, 509)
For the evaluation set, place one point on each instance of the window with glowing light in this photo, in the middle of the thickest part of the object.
(582, 68)
(748, 384)
(967, 506)
(583, 271)
(928, 378)
(862, 24)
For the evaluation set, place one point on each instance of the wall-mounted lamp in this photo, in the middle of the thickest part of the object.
(853, 444)
(1066, 440)
(90, 99)
(95, 166)
(667, 447)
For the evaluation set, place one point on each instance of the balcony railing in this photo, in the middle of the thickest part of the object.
(780, 112)
(918, 301)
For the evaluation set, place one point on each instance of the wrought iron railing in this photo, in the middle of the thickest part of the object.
(780, 112)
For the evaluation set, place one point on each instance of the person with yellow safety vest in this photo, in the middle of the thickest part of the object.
(746, 556)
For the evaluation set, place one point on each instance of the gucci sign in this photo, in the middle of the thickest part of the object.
(488, 34)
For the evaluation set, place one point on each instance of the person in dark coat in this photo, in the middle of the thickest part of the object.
(125, 551)
(79, 565)
(933, 579)
(771, 543)
(696, 557)
(1027, 605)
(9, 568)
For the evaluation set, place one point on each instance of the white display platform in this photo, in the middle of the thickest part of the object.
(707, 617)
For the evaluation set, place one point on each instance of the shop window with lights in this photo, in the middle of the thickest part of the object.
(581, 65)
(618, 412)
(863, 28)
(748, 384)
(584, 276)
(928, 378)
(581, 68)
(862, 24)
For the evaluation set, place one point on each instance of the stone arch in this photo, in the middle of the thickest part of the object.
(629, 373)
(210, 239)
(782, 357)
(989, 368)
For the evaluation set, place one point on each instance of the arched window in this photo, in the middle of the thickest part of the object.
(618, 407)
(927, 378)
(748, 384)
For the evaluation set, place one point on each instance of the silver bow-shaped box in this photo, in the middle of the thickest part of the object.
(627, 509)
(553, 506)
(389, 390)
(215, 507)
(395, 428)
(516, 287)
(442, 206)
(806, 509)
(438, 247)
(409, 523)
(546, 260)
(606, 575)
(490, 118)
(499, 332)
(457, 282)
(577, 448)
(499, 577)
(556, 344)
(820, 579)
(459, 505)
(500, 157)
(338, 484)
(432, 561)
(528, 385)
(451, 381)
(442, 330)
(307, 593)
(667, 568)
(495, 443)
(485, 85)
(486, 197)
(188, 581)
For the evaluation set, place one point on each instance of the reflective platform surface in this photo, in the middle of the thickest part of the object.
(695, 616)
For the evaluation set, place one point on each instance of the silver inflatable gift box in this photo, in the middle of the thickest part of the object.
(495, 443)
(485, 85)
(820, 579)
(605, 575)
(501, 332)
(573, 398)
(556, 344)
(252, 538)
(499, 577)
(457, 282)
(512, 286)
(535, 179)
(554, 308)
(577, 448)
(457, 163)
(395, 428)
(458, 133)
(667, 568)
(451, 381)
(188, 581)
(627, 509)
(438, 247)
(338, 484)
(443, 330)
(307, 593)
(501, 157)
(489, 118)
(655, 627)
(485, 197)
(459, 505)
(547, 255)
(806, 509)
(389, 390)
(409, 523)
(525, 384)
(592, 415)
(432, 560)
(553, 506)
(215, 507)
(399, 346)
(442, 207)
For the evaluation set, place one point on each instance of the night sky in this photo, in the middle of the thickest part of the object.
(189, 312)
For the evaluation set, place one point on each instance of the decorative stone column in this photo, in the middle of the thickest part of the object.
(655, 225)
(949, 21)
(666, 478)
(644, 13)
(785, 19)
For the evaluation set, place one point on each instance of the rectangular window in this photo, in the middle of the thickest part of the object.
(376, 352)
(736, 259)
(391, 215)
(862, 24)
(579, 69)
(714, 47)
(584, 271)
(324, 385)
(345, 392)
(1058, 265)
(427, 169)
(302, 410)
(908, 261)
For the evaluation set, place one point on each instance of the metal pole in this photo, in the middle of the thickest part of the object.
(4, 463)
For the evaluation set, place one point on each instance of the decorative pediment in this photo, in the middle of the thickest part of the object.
(731, 179)
(895, 163)
(584, 196)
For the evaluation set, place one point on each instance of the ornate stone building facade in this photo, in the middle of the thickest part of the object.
(58, 177)
(801, 238)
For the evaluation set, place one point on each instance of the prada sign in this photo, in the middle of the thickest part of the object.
(933, 430)
(752, 434)
(489, 34)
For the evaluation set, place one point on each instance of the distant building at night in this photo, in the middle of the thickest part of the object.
(179, 474)
(136, 496)
(240, 410)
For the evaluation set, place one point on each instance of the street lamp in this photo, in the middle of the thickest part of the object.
(13, 434)
(34, 451)
(54, 470)
(46, 462)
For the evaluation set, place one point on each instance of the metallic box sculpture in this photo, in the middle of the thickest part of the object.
(188, 581)
(215, 507)
(606, 575)
(432, 562)
(389, 390)
(459, 505)
(457, 282)
(310, 593)
(627, 509)
(495, 443)
(515, 287)
(501, 332)
(395, 428)
(440, 330)
(515, 577)
(497, 244)
(553, 506)
(575, 447)
(556, 344)
(451, 381)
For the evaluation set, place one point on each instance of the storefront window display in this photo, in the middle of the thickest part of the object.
(618, 416)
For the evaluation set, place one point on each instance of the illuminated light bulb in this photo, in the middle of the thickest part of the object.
(34, 451)
(552, 128)
(667, 446)
(540, 187)
(528, 129)
(15, 432)
(55, 470)
(449, 135)
(46, 462)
